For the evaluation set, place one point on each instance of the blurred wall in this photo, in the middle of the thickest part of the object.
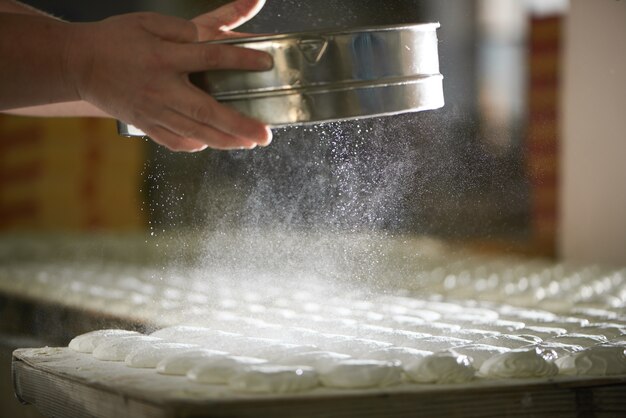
(593, 198)
(68, 174)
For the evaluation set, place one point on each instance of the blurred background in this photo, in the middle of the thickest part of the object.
(482, 170)
(485, 170)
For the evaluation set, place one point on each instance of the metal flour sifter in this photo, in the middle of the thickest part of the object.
(331, 76)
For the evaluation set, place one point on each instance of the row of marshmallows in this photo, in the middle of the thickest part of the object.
(270, 365)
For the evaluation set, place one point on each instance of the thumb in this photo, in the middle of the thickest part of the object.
(227, 17)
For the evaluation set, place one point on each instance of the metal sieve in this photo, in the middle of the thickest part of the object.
(331, 75)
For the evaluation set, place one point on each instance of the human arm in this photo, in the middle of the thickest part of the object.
(133, 67)
(12, 6)
(77, 108)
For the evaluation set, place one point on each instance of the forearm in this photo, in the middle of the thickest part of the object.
(35, 69)
(76, 108)
(72, 109)
(10, 6)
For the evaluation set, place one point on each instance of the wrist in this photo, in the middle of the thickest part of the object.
(78, 59)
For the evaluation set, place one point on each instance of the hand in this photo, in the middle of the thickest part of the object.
(135, 67)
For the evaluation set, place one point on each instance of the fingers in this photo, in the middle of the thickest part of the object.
(206, 110)
(185, 127)
(205, 56)
(173, 141)
(227, 17)
(231, 35)
(169, 108)
(168, 27)
(177, 143)
(196, 120)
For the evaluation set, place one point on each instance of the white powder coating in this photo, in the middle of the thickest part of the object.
(542, 331)
(519, 363)
(355, 347)
(206, 337)
(319, 360)
(116, 348)
(179, 364)
(438, 343)
(372, 363)
(181, 332)
(149, 356)
(479, 353)
(404, 355)
(583, 340)
(508, 341)
(278, 352)
(347, 342)
(354, 373)
(86, 343)
(274, 379)
(443, 367)
(475, 334)
(559, 349)
(219, 370)
(595, 361)
(263, 347)
(607, 330)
